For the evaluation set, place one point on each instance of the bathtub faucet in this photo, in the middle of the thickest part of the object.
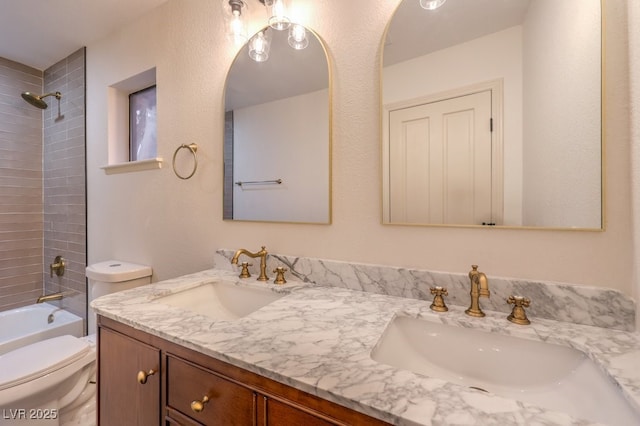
(49, 297)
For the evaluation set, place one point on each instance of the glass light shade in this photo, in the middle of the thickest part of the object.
(431, 4)
(298, 37)
(235, 25)
(277, 11)
(259, 46)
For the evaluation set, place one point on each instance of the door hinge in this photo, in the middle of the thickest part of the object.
(491, 124)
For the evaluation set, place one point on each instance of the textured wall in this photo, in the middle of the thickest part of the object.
(64, 180)
(175, 226)
(634, 61)
(20, 187)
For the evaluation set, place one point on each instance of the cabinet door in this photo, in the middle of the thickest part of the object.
(208, 397)
(122, 398)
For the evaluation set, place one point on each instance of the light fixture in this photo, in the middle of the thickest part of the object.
(277, 11)
(298, 37)
(236, 27)
(259, 46)
(431, 4)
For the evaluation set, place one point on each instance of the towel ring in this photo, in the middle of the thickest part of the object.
(193, 148)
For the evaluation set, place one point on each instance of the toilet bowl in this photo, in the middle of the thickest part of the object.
(40, 383)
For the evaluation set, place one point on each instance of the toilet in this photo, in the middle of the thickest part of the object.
(52, 382)
(112, 276)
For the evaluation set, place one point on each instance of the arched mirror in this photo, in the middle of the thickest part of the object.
(277, 138)
(492, 114)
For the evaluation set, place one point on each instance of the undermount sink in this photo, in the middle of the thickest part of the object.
(221, 300)
(551, 376)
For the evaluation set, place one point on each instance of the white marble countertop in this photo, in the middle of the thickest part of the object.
(319, 340)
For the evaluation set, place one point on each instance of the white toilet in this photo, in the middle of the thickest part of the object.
(52, 382)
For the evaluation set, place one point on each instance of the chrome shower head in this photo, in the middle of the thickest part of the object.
(37, 101)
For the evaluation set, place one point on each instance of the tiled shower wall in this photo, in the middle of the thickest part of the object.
(64, 181)
(21, 217)
(42, 184)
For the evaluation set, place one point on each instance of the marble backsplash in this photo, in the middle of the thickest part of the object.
(593, 306)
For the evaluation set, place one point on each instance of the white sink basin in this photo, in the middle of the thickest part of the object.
(222, 300)
(555, 377)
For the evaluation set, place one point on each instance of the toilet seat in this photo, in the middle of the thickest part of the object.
(39, 359)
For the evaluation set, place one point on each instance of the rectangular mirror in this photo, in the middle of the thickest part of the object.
(492, 114)
(277, 139)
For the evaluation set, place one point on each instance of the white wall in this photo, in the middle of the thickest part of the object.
(562, 156)
(492, 57)
(155, 218)
(286, 139)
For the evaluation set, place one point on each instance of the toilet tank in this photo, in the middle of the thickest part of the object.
(112, 276)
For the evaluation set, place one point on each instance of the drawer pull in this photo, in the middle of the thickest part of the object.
(142, 376)
(198, 406)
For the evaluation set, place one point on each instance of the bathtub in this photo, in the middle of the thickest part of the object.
(29, 324)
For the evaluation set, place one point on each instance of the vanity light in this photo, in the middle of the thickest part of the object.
(259, 46)
(298, 37)
(431, 4)
(277, 11)
(236, 27)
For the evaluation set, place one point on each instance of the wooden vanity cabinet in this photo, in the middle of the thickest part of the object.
(234, 396)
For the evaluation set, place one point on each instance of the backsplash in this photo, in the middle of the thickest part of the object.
(594, 306)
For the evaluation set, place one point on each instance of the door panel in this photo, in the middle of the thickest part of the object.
(441, 168)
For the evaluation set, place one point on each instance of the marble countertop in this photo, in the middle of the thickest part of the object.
(319, 340)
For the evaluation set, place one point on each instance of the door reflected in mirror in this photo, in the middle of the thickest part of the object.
(491, 114)
(277, 137)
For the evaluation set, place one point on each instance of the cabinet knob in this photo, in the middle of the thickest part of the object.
(142, 376)
(198, 406)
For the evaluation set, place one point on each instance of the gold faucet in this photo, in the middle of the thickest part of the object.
(262, 254)
(49, 297)
(479, 287)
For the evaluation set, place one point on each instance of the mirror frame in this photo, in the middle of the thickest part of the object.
(329, 63)
(603, 170)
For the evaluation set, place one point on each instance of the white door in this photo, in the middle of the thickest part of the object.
(440, 162)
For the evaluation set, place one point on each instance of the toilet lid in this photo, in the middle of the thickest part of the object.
(38, 359)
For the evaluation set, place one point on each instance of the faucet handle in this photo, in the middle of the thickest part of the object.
(279, 279)
(518, 314)
(438, 304)
(57, 266)
(244, 273)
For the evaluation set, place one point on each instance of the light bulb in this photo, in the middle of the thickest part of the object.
(431, 4)
(238, 31)
(278, 19)
(259, 46)
(298, 37)
(236, 28)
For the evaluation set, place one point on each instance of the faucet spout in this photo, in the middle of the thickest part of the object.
(479, 288)
(262, 254)
(49, 297)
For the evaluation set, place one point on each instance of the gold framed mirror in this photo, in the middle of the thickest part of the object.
(492, 114)
(277, 137)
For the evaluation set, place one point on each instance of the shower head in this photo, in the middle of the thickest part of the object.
(37, 101)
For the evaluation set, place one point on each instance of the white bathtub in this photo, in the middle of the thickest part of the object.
(29, 324)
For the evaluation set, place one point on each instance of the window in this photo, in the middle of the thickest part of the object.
(142, 124)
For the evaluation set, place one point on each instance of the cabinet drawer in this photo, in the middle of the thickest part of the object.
(228, 403)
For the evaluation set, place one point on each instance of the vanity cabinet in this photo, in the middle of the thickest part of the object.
(190, 388)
